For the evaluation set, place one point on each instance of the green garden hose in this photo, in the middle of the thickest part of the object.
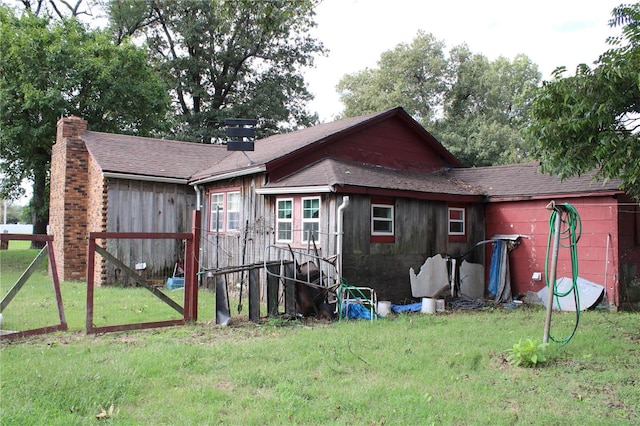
(570, 229)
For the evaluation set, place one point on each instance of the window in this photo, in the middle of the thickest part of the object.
(233, 211)
(456, 221)
(225, 211)
(310, 219)
(381, 219)
(284, 220)
(217, 212)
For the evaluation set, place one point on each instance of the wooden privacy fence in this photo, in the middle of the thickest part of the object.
(24, 277)
(189, 310)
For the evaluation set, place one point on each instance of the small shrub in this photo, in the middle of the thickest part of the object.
(528, 353)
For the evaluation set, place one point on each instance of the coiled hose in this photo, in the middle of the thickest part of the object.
(571, 230)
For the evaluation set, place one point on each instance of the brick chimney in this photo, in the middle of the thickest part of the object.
(68, 200)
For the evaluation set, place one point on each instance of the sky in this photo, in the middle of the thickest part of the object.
(551, 33)
(356, 32)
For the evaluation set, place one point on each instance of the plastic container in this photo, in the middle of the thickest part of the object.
(175, 282)
(384, 308)
(428, 306)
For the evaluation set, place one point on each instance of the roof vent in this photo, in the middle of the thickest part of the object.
(241, 133)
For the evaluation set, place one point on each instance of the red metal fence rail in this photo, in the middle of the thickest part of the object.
(15, 289)
(189, 310)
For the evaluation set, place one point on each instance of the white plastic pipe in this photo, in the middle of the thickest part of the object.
(198, 196)
(340, 232)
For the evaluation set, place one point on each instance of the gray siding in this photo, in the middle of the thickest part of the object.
(227, 249)
(139, 206)
(420, 232)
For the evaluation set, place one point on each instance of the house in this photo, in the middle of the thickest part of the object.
(117, 183)
(409, 199)
(609, 246)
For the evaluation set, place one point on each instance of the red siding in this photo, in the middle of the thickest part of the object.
(629, 249)
(599, 230)
(390, 143)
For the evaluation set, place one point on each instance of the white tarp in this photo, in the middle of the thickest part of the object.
(433, 278)
(472, 280)
(588, 291)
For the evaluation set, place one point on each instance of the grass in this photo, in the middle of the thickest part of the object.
(447, 368)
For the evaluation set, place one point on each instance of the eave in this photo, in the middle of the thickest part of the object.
(145, 178)
(230, 175)
(295, 190)
(509, 198)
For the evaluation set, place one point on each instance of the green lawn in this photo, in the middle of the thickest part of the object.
(409, 369)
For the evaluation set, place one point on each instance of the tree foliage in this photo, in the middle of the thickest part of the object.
(590, 120)
(411, 75)
(474, 106)
(222, 59)
(50, 69)
(485, 108)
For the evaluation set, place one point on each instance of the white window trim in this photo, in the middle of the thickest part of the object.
(311, 220)
(212, 225)
(224, 212)
(278, 220)
(463, 220)
(392, 219)
(228, 210)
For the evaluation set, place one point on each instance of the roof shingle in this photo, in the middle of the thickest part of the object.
(344, 173)
(526, 180)
(140, 156)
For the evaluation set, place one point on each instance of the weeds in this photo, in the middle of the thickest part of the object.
(527, 353)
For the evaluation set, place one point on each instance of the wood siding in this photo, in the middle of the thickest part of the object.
(139, 206)
(257, 220)
(421, 231)
(390, 143)
(629, 249)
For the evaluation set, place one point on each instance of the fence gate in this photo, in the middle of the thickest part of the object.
(31, 301)
(146, 304)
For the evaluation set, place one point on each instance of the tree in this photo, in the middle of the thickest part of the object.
(474, 106)
(61, 9)
(590, 120)
(11, 213)
(485, 108)
(224, 59)
(411, 75)
(51, 69)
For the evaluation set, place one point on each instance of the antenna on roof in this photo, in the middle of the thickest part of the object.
(241, 133)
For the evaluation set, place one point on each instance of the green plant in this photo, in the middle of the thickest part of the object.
(528, 353)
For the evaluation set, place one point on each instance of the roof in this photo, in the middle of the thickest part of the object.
(138, 156)
(339, 173)
(149, 158)
(526, 180)
(277, 147)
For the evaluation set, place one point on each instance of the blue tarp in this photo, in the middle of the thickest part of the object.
(499, 279)
(355, 311)
(413, 307)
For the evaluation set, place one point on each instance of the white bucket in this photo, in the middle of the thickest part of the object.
(384, 307)
(428, 306)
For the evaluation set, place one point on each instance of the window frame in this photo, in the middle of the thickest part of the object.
(228, 211)
(462, 221)
(219, 213)
(289, 220)
(457, 236)
(303, 220)
(391, 219)
(223, 200)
